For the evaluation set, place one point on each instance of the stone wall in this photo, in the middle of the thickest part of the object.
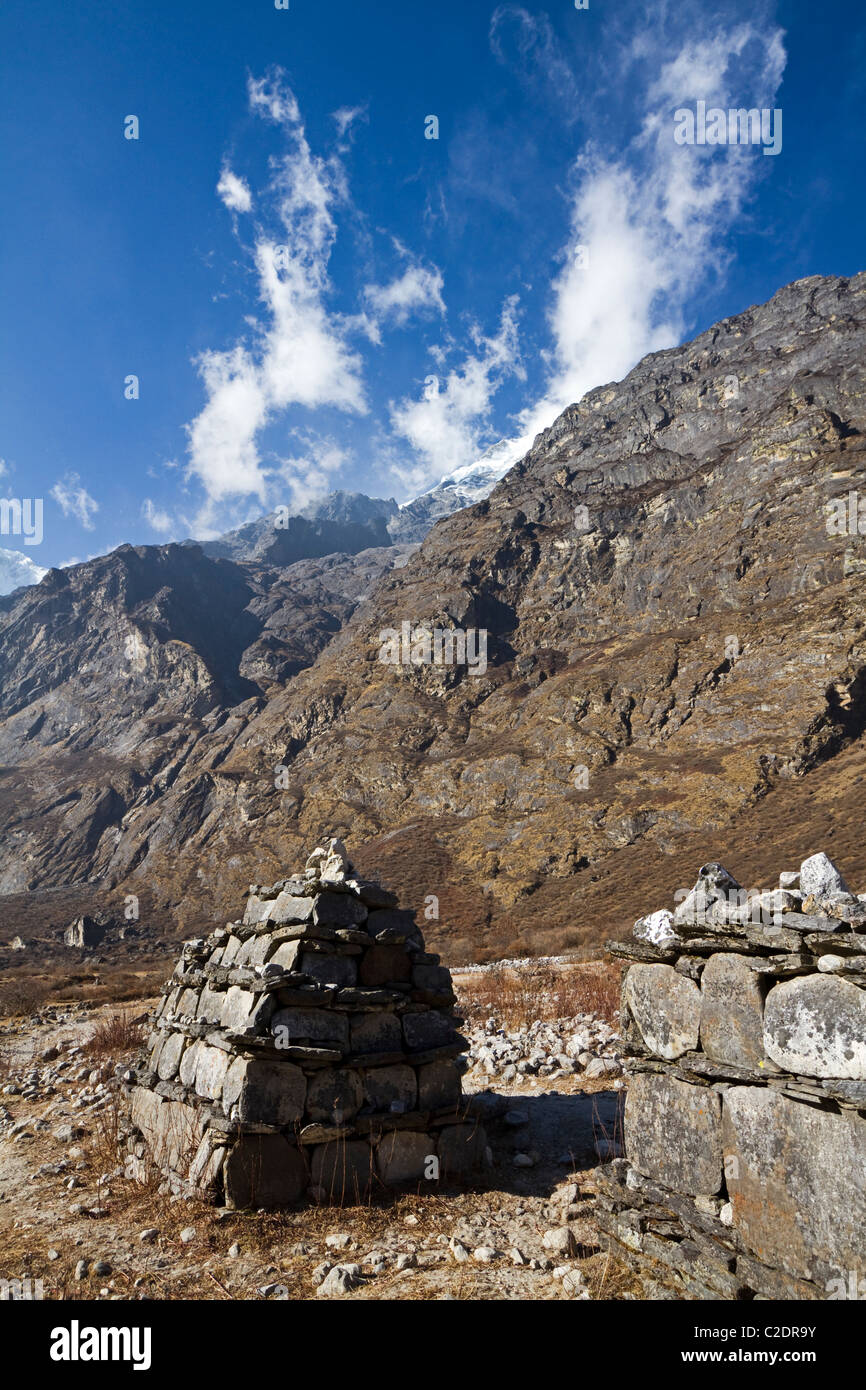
(310, 1049)
(744, 1019)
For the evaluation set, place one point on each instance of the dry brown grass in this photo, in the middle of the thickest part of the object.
(116, 1036)
(21, 996)
(543, 991)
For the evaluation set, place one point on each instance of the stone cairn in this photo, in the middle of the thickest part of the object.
(310, 1049)
(744, 1021)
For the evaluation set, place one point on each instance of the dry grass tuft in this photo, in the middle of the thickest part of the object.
(116, 1036)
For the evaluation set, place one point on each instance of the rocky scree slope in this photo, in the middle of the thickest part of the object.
(675, 664)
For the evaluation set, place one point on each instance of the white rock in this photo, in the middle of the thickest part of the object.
(560, 1240)
(819, 877)
(339, 1281)
(658, 928)
(484, 1255)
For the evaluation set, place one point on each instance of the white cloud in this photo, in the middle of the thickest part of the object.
(234, 191)
(446, 425)
(311, 474)
(652, 221)
(299, 356)
(161, 522)
(17, 570)
(75, 500)
(417, 290)
(346, 118)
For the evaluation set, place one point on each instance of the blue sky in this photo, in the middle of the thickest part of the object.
(314, 295)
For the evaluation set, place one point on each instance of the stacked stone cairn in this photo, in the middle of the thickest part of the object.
(744, 1020)
(309, 1050)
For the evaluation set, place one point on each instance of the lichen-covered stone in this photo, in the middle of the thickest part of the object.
(666, 1007)
(261, 1091)
(795, 1176)
(210, 1070)
(819, 877)
(170, 1055)
(816, 1025)
(673, 1133)
(732, 1011)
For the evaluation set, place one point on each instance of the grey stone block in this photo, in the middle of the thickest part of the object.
(343, 1169)
(334, 1095)
(732, 1012)
(323, 1026)
(438, 1086)
(390, 1089)
(666, 1007)
(211, 1067)
(329, 970)
(816, 1025)
(795, 1177)
(425, 1030)
(264, 1170)
(338, 910)
(170, 1055)
(402, 1156)
(673, 1133)
(264, 1092)
(376, 1032)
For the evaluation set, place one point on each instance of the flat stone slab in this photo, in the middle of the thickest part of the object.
(666, 1007)
(732, 1011)
(816, 1025)
(795, 1177)
(264, 1171)
(673, 1133)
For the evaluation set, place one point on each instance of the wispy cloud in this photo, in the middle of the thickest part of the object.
(234, 191)
(298, 354)
(417, 291)
(74, 500)
(527, 44)
(650, 222)
(159, 520)
(445, 427)
(347, 117)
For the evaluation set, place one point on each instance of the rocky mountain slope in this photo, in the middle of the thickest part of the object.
(675, 671)
(343, 523)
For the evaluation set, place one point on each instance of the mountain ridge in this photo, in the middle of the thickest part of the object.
(616, 731)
